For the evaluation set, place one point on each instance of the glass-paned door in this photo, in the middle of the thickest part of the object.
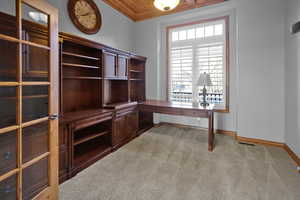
(29, 101)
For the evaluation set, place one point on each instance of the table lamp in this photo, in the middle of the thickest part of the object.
(204, 80)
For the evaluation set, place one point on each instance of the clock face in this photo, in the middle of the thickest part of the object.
(85, 15)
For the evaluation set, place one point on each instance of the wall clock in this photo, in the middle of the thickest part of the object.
(85, 15)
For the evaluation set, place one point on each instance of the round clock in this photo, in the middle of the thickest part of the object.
(85, 15)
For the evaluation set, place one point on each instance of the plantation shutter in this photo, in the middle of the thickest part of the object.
(181, 73)
(193, 50)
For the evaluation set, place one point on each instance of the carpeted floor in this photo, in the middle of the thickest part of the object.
(169, 163)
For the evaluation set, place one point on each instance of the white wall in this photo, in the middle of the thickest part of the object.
(116, 30)
(292, 76)
(257, 103)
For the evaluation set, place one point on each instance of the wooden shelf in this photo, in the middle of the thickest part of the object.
(136, 71)
(136, 79)
(27, 97)
(82, 77)
(79, 65)
(79, 55)
(120, 105)
(90, 137)
(117, 78)
(91, 152)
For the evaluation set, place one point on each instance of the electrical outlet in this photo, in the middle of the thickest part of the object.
(298, 168)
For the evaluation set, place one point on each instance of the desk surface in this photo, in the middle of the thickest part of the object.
(169, 104)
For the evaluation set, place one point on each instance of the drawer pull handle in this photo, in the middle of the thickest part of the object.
(7, 155)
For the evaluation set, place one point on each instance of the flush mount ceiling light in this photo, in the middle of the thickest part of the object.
(38, 17)
(166, 5)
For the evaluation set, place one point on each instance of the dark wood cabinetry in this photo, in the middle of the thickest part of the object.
(100, 91)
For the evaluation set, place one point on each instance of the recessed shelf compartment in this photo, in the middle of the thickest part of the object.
(79, 65)
(82, 77)
(79, 55)
(90, 151)
(92, 132)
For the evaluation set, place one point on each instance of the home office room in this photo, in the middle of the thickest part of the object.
(149, 99)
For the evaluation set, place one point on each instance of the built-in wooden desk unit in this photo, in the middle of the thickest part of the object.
(184, 109)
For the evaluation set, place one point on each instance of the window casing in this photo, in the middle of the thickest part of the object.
(193, 49)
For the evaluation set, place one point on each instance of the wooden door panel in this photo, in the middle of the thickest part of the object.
(120, 130)
(35, 179)
(8, 152)
(132, 124)
(8, 188)
(31, 160)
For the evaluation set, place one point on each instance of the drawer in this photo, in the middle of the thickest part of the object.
(8, 188)
(126, 111)
(8, 152)
(91, 121)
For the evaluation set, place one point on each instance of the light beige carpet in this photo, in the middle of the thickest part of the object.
(169, 163)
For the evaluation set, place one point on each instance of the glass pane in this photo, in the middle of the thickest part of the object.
(219, 29)
(200, 32)
(182, 35)
(8, 22)
(34, 25)
(35, 102)
(191, 34)
(8, 188)
(209, 31)
(174, 36)
(35, 179)
(8, 103)
(35, 141)
(8, 157)
(8, 60)
(35, 63)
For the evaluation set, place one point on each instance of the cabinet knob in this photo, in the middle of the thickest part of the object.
(7, 155)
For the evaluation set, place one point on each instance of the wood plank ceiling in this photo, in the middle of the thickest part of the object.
(139, 10)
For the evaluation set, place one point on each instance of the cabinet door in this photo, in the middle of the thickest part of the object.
(109, 61)
(120, 132)
(63, 152)
(122, 66)
(132, 124)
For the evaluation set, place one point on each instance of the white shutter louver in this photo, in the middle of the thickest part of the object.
(181, 61)
(209, 59)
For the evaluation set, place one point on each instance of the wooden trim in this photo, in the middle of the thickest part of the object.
(8, 129)
(292, 155)
(35, 160)
(224, 132)
(9, 174)
(259, 141)
(30, 123)
(227, 67)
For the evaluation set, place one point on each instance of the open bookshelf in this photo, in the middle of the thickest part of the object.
(81, 77)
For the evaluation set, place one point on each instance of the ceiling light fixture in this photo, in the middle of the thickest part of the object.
(166, 5)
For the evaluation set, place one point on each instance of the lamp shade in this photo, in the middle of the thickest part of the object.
(166, 5)
(204, 80)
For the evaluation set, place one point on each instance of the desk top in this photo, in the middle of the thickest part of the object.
(169, 104)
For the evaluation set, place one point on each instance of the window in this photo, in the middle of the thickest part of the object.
(194, 49)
